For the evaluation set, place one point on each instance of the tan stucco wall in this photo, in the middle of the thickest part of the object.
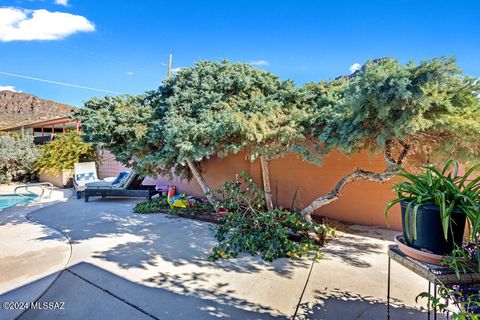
(362, 202)
(63, 178)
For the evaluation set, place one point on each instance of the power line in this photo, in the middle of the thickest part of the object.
(58, 83)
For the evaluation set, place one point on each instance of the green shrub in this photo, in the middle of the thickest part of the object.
(152, 206)
(160, 205)
(64, 152)
(250, 228)
(17, 158)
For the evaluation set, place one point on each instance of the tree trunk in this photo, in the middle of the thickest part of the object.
(334, 194)
(266, 183)
(359, 174)
(203, 184)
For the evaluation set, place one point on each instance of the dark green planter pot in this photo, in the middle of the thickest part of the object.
(429, 229)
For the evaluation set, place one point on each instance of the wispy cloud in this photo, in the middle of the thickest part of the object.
(129, 73)
(9, 88)
(175, 70)
(354, 67)
(259, 63)
(26, 25)
(62, 2)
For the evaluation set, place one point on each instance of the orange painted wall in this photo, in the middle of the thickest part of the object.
(362, 202)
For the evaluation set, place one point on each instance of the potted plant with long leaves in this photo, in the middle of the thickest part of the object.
(436, 205)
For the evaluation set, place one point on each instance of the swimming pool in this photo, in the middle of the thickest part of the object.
(10, 200)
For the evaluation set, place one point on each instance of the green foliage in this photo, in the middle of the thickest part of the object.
(461, 259)
(466, 300)
(118, 124)
(216, 108)
(160, 205)
(17, 157)
(155, 205)
(432, 106)
(250, 228)
(445, 189)
(63, 152)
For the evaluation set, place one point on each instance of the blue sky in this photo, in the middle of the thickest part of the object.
(123, 46)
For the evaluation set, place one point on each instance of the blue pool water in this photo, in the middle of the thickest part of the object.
(10, 200)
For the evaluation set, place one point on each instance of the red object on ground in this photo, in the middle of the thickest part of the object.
(172, 190)
(222, 211)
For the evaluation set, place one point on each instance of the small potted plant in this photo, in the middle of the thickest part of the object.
(436, 205)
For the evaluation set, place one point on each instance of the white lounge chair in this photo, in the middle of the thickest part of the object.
(84, 172)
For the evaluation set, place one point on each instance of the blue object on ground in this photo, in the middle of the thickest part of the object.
(120, 176)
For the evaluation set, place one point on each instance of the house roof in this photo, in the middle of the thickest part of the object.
(52, 121)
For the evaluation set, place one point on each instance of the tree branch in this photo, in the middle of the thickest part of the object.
(403, 155)
(360, 174)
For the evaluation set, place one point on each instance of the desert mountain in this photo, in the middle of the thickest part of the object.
(18, 108)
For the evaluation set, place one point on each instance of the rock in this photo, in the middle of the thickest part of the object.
(17, 108)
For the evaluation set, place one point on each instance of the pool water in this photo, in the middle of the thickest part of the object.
(10, 200)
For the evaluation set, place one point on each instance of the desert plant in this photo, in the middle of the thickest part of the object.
(445, 189)
(17, 157)
(63, 152)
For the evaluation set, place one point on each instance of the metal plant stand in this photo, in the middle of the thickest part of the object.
(434, 274)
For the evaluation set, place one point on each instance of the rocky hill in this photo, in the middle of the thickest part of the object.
(18, 108)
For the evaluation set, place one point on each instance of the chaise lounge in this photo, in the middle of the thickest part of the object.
(85, 172)
(128, 186)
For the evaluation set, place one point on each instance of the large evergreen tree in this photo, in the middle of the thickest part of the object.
(431, 108)
(217, 108)
(118, 124)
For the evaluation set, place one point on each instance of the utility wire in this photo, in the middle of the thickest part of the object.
(58, 83)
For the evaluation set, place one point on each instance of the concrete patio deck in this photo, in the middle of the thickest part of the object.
(128, 266)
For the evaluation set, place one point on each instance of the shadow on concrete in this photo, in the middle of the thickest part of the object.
(114, 297)
(150, 237)
(27, 292)
(343, 305)
(351, 249)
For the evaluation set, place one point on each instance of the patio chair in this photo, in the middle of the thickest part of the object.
(84, 172)
(129, 186)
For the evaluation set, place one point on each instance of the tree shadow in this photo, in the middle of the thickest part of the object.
(95, 293)
(180, 296)
(148, 237)
(343, 305)
(352, 249)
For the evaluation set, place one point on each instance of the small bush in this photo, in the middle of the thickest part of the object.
(153, 206)
(63, 152)
(17, 158)
(160, 205)
(250, 228)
